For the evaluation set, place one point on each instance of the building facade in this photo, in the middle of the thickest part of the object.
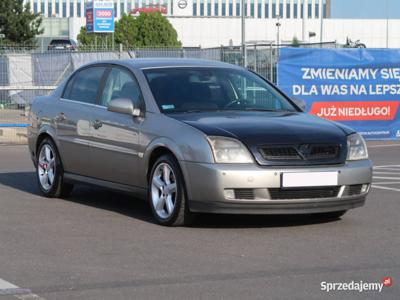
(211, 23)
(286, 9)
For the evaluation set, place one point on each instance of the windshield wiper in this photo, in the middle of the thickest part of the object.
(265, 109)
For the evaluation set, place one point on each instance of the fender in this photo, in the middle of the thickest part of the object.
(145, 157)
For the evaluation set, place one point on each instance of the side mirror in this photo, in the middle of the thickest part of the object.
(124, 106)
(300, 103)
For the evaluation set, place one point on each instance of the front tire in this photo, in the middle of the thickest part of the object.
(167, 193)
(49, 171)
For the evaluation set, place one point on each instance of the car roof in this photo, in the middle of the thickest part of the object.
(147, 63)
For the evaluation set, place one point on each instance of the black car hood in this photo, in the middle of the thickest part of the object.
(255, 128)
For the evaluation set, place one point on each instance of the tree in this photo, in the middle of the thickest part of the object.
(154, 30)
(295, 42)
(96, 40)
(146, 30)
(18, 23)
(126, 31)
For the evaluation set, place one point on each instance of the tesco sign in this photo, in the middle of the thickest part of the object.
(100, 16)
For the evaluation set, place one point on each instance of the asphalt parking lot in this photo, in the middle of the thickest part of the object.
(102, 245)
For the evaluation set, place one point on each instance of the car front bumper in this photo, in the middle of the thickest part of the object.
(207, 184)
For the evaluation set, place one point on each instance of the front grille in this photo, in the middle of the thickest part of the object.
(300, 152)
(271, 153)
(352, 190)
(247, 194)
(304, 193)
(323, 151)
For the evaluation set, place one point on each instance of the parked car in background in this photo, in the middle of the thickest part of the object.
(62, 44)
(194, 136)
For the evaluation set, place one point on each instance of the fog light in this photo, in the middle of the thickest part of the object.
(364, 188)
(229, 194)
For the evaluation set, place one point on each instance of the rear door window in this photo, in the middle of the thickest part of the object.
(84, 85)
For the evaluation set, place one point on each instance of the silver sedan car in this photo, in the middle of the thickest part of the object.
(194, 136)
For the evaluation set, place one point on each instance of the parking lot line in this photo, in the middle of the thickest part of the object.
(388, 167)
(384, 146)
(7, 288)
(384, 177)
(385, 188)
(378, 172)
(388, 182)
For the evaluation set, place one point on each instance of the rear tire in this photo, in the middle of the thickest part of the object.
(49, 171)
(167, 193)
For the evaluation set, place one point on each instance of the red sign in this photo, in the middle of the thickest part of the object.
(356, 111)
(103, 13)
(89, 16)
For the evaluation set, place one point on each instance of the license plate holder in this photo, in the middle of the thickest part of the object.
(309, 179)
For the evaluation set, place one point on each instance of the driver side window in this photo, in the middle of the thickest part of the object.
(119, 84)
(255, 94)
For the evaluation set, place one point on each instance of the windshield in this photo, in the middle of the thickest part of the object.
(187, 89)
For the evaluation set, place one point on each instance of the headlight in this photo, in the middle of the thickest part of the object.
(357, 149)
(228, 150)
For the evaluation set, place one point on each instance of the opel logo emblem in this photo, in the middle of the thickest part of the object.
(182, 4)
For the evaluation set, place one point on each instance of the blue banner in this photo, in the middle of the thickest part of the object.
(357, 87)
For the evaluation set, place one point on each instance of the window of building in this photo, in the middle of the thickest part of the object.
(84, 85)
(259, 10)
(317, 10)
(274, 9)
(71, 9)
(295, 9)
(78, 8)
(42, 7)
(324, 9)
(309, 13)
(194, 7)
(49, 9)
(208, 7)
(288, 11)
(281, 9)
(252, 8)
(223, 9)
(231, 8)
(302, 9)
(129, 8)
(64, 9)
(245, 8)
(266, 10)
(121, 8)
(238, 9)
(201, 7)
(216, 6)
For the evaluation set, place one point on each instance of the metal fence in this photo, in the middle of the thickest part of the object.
(26, 72)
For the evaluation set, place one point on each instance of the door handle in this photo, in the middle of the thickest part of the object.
(60, 117)
(97, 124)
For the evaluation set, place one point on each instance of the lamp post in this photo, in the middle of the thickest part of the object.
(243, 25)
(387, 24)
(278, 25)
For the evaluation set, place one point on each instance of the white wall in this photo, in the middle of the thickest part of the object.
(213, 32)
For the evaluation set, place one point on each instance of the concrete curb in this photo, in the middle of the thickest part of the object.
(14, 136)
